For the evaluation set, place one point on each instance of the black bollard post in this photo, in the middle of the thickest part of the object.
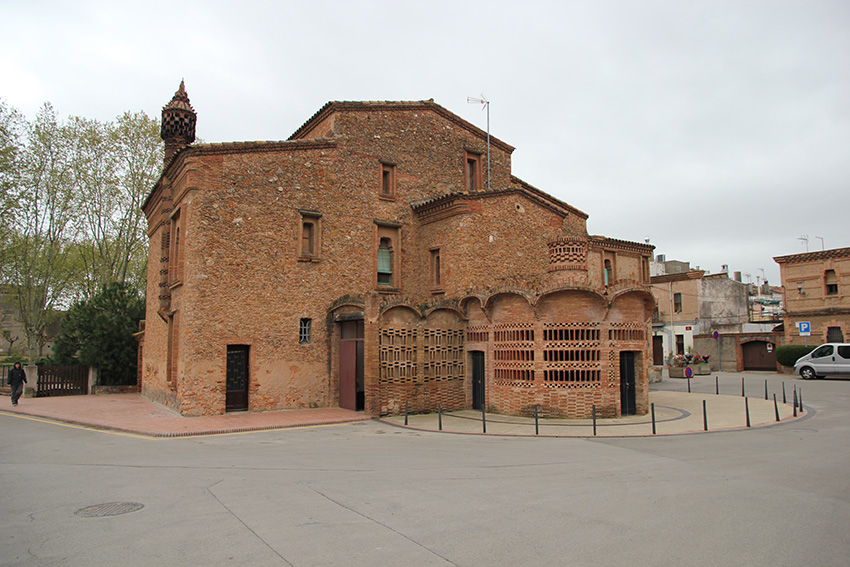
(594, 420)
(717, 385)
(483, 420)
(652, 406)
(784, 400)
(689, 385)
(800, 398)
(440, 415)
(747, 409)
(536, 422)
(775, 407)
(765, 390)
(743, 393)
(405, 413)
(704, 417)
(795, 401)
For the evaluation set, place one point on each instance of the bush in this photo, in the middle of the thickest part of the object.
(787, 355)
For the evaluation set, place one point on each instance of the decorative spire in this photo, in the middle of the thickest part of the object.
(178, 123)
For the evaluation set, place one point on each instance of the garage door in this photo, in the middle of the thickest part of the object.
(759, 355)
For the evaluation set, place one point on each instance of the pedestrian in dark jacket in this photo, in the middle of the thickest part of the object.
(17, 379)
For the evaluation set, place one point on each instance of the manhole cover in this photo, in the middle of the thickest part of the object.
(109, 509)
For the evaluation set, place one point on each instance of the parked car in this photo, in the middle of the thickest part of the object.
(826, 360)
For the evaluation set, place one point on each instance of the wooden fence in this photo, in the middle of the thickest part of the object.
(62, 381)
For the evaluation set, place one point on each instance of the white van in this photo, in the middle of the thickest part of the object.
(828, 359)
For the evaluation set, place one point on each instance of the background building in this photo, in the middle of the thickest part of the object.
(816, 292)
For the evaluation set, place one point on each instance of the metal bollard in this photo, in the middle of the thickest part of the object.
(689, 385)
(652, 407)
(743, 393)
(536, 421)
(800, 398)
(483, 420)
(765, 390)
(440, 416)
(405, 413)
(784, 400)
(704, 417)
(795, 401)
(594, 420)
(747, 409)
(776, 407)
(717, 385)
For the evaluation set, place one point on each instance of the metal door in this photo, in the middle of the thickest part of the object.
(477, 379)
(658, 350)
(236, 398)
(628, 397)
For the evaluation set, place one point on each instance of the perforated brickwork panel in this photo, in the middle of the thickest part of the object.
(571, 355)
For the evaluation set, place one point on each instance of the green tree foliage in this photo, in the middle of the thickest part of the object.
(787, 355)
(99, 332)
(70, 209)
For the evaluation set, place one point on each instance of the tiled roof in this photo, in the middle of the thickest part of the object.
(813, 256)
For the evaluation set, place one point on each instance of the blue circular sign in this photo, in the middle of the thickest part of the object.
(689, 372)
(715, 334)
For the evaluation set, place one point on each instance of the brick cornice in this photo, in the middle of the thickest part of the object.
(623, 245)
(813, 256)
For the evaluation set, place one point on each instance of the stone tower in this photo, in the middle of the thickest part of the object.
(178, 123)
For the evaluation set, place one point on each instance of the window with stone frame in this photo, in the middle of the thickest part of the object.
(831, 282)
(309, 236)
(473, 171)
(387, 275)
(388, 186)
(436, 270)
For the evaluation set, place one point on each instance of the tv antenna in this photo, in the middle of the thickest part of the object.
(483, 100)
(805, 239)
(821, 242)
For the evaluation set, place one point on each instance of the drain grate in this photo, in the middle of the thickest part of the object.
(109, 509)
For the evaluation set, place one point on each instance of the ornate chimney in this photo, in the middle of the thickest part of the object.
(178, 123)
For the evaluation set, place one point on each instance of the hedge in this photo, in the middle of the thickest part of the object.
(787, 355)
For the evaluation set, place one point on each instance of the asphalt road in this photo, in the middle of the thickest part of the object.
(373, 494)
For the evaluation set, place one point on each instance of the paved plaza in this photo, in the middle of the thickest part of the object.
(342, 492)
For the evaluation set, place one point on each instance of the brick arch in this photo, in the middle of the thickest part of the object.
(572, 304)
(636, 306)
(493, 298)
(400, 313)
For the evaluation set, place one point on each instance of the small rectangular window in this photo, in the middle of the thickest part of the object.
(436, 271)
(304, 330)
(677, 302)
(831, 281)
(387, 180)
(385, 262)
(310, 236)
(473, 171)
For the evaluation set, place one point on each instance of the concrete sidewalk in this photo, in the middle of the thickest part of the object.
(675, 413)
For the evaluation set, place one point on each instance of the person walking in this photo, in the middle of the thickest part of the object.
(17, 379)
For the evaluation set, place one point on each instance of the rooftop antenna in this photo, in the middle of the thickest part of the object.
(805, 239)
(483, 100)
(821, 242)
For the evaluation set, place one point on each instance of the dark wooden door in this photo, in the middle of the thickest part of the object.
(658, 350)
(759, 355)
(628, 398)
(236, 398)
(352, 393)
(477, 379)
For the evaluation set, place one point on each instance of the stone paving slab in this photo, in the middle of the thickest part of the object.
(133, 413)
(675, 413)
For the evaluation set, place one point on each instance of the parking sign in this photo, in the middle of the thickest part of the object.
(805, 328)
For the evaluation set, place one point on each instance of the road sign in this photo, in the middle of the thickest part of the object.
(715, 334)
(805, 328)
(689, 372)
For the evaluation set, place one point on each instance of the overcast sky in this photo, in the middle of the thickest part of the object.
(719, 130)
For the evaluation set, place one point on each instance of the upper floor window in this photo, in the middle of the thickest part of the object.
(436, 269)
(385, 262)
(831, 281)
(609, 272)
(175, 259)
(473, 171)
(677, 302)
(309, 236)
(387, 180)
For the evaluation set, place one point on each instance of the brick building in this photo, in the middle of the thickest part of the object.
(817, 291)
(367, 263)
